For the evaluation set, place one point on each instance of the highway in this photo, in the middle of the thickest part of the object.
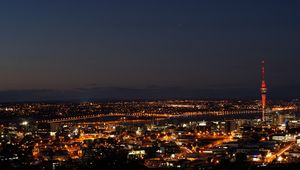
(271, 158)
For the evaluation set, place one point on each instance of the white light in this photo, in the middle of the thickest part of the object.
(159, 151)
(280, 159)
(202, 123)
(52, 134)
(256, 159)
(25, 123)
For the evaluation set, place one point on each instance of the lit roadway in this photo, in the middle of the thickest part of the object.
(222, 139)
(220, 142)
(117, 122)
(153, 115)
(279, 153)
(74, 118)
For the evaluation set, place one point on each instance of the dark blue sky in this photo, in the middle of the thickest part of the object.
(104, 46)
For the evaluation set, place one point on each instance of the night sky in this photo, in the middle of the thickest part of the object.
(155, 49)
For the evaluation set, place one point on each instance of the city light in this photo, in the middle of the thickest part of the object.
(25, 123)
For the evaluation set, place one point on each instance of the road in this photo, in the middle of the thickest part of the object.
(279, 153)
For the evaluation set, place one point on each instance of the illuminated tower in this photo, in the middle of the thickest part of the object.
(263, 91)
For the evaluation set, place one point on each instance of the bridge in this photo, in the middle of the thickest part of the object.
(74, 118)
(150, 115)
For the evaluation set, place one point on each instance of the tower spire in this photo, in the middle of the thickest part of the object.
(263, 69)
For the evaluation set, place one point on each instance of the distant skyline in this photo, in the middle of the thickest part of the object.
(86, 50)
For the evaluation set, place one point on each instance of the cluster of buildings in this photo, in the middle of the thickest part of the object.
(184, 145)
